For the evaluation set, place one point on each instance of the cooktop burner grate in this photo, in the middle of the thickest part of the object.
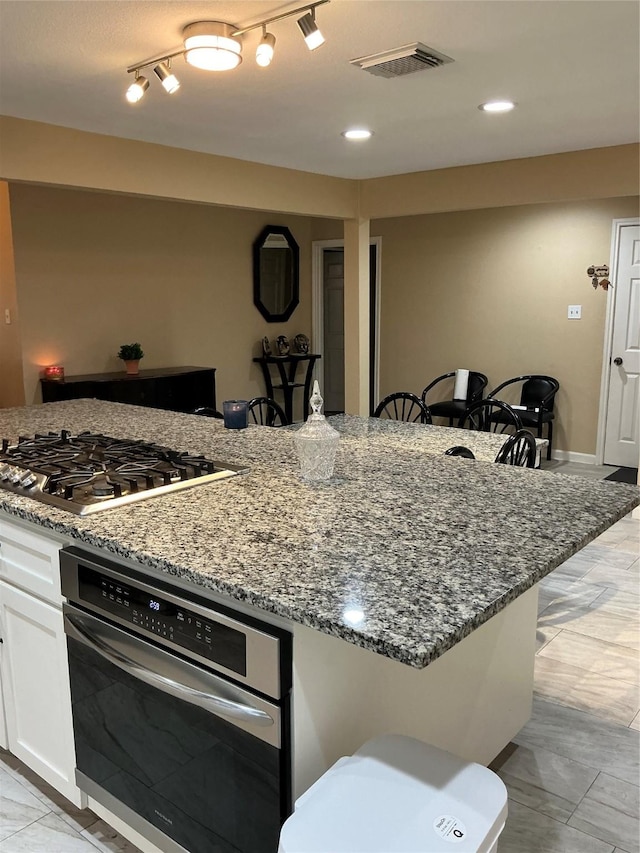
(88, 472)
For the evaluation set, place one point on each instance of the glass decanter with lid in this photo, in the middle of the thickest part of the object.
(316, 442)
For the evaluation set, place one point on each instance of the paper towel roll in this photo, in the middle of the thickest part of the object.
(461, 385)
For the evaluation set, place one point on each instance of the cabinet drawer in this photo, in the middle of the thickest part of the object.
(30, 561)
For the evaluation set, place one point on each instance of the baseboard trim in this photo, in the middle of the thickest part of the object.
(572, 456)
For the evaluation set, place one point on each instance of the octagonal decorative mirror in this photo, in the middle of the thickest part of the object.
(276, 260)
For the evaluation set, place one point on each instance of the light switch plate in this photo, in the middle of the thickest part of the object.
(574, 312)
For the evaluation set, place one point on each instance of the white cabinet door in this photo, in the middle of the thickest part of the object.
(30, 561)
(4, 738)
(35, 684)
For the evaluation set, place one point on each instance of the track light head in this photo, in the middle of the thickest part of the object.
(264, 51)
(169, 81)
(310, 31)
(211, 45)
(137, 89)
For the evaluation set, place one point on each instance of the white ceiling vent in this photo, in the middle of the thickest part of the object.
(402, 60)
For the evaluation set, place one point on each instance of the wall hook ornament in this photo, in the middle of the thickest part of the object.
(599, 276)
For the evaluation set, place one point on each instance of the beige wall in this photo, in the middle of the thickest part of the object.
(98, 270)
(595, 173)
(489, 289)
(43, 153)
(11, 388)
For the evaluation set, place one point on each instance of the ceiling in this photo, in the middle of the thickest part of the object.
(572, 67)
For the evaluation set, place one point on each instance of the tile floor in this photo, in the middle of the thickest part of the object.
(573, 771)
(35, 818)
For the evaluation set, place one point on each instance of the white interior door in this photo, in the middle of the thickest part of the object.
(327, 284)
(622, 432)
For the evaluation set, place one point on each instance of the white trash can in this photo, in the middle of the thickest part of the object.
(399, 795)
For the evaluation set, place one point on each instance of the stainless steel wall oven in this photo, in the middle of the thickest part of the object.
(181, 709)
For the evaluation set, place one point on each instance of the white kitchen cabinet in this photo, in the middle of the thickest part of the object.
(4, 737)
(33, 659)
(30, 561)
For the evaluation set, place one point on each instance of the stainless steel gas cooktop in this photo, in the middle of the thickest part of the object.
(90, 472)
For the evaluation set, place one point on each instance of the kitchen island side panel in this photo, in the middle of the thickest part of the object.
(471, 701)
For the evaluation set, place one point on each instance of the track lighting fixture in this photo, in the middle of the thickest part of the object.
(211, 45)
(217, 46)
(310, 31)
(137, 89)
(169, 80)
(264, 51)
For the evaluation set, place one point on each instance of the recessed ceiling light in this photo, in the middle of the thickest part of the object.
(497, 106)
(357, 134)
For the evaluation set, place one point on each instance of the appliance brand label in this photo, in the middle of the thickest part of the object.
(164, 817)
(450, 828)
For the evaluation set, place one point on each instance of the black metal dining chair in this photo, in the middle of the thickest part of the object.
(537, 397)
(460, 450)
(207, 412)
(482, 416)
(264, 411)
(519, 449)
(455, 409)
(403, 406)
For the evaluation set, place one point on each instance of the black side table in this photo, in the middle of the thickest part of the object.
(178, 389)
(287, 367)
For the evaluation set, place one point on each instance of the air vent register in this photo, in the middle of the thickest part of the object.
(402, 60)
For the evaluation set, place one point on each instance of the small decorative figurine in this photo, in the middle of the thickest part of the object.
(301, 343)
(266, 346)
(282, 344)
(599, 276)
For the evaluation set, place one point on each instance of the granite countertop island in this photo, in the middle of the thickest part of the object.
(404, 552)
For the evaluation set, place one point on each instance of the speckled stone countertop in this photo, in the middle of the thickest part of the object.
(376, 433)
(404, 552)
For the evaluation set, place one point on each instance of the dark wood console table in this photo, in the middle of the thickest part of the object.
(178, 389)
(287, 367)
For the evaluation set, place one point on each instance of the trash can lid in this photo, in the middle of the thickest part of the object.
(397, 794)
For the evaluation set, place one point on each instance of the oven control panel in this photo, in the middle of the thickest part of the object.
(153, 614)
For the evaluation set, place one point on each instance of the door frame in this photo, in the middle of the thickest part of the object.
(616, 230)
(317, 306)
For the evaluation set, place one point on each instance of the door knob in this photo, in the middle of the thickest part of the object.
(617, 361)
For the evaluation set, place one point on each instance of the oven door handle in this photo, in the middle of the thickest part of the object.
(77, 628)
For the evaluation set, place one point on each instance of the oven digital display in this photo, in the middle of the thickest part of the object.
(177, 625)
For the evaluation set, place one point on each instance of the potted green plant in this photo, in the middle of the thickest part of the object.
(131, 355)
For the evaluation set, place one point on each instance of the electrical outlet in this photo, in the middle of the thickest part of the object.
(574, 312)
(7, 316)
